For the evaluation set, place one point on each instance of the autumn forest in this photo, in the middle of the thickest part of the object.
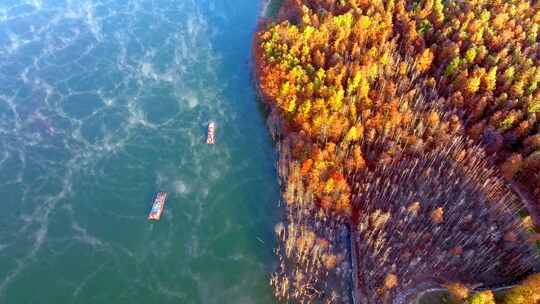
(408, 135)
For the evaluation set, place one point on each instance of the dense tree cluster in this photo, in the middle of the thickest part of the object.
(528, 292)
(482, 297)
(483, 56)
(357, 86)
(487, 63)
(334, 100)
(436, 217)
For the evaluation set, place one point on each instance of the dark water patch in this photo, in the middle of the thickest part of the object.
(159, 105)
(89, 80)
(97, 127)
(82, 105)
(20, 10)
(13, 163)
(11, 193)
(6, 113)
(12, 69)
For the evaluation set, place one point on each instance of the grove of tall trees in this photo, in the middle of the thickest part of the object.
(357, 85)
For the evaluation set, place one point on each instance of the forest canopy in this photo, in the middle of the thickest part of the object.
(359, 86)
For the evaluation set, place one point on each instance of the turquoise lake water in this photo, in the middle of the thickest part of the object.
(103, 103)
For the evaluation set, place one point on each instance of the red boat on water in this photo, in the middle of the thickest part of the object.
(158, 206)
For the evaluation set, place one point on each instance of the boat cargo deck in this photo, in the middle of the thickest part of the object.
(211, 133)
(158, 206)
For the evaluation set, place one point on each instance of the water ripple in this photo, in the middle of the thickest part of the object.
(88, 82)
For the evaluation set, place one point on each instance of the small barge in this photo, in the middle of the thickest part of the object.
(211, 133)
(158, 206)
